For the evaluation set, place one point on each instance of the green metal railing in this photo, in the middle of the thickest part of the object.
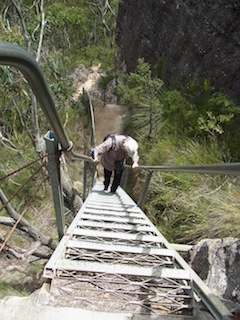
(14, 56)
(88, 102)
(218, 168)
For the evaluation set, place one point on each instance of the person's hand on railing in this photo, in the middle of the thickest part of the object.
(96, 161)
(134, 165)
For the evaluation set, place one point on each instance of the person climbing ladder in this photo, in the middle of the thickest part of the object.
(112, 152)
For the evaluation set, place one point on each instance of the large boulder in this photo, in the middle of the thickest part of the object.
(217, 262)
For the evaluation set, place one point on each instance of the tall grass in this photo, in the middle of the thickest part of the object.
(188, 207)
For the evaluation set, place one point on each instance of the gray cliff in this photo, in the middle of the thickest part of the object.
(190, 38)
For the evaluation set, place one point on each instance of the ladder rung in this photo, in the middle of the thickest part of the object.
(107, 268)
(114, 219)
(103, 204)
(115, 212)
(107, 205)
(118, 248)
(119, 226)
(116, 235)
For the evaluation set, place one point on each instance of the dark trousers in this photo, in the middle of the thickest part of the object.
(116, 179)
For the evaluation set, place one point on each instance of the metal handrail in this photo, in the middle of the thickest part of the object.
(90, 108)
(93, 131)
(13, 55)
(217, 168)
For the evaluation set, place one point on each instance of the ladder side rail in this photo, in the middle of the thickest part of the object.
(211, 301)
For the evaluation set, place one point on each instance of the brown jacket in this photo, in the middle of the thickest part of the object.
(109, 156)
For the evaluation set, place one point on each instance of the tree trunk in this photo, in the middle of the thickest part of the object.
(72, 199)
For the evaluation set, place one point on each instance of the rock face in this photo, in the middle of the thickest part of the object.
(187, 38)
(217, 262)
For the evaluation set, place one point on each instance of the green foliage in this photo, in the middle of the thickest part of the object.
(194, 112)
(62, 90)
(66, 24)
(97, 53)
(13, 37)
(16, 240)
(188, 207)
(197, 91)
(75, 30)
(158, 67)
(63, 16)
(82, 30)
(13, 93)
(213, 114)
(170, 151)
(213, 124)
(104, 81)
(141, 92)
(178, 113)
(216, 214)
(36, 268)
(139, 85)
(195, 129)
(7, 289)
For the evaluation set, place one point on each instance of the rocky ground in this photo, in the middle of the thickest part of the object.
(108, 115)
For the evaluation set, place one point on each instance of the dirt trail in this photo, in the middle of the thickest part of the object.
(86, 82)
(108, 118)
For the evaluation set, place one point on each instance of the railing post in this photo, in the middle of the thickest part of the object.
(145, 189)
(93, 175)
(85, 167)
(126, 178)
(55, 179)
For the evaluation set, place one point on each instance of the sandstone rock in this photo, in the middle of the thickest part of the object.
(217, 261)
(79, 75)
(16, 275)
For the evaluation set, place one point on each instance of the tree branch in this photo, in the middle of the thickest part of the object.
(23, 253)
(41, 31)
(23, 25)
(25, 226)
